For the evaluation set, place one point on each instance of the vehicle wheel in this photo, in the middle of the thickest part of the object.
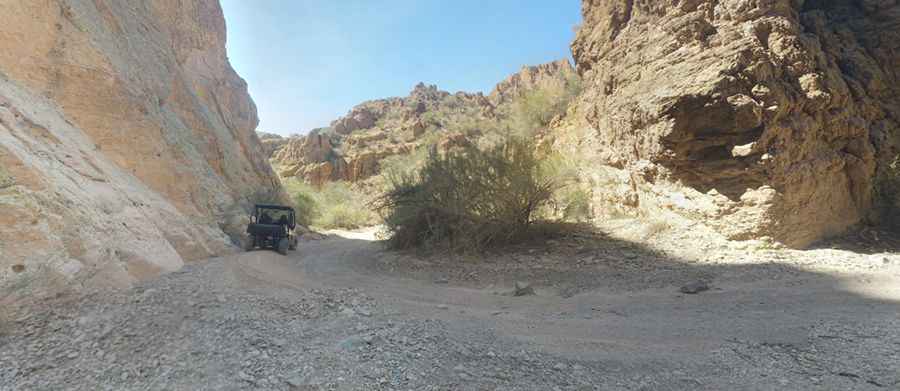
(283, 245)
(251, 244)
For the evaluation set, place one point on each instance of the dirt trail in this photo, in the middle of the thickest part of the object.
(332, 316)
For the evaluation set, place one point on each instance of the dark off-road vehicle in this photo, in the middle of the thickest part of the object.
(272, 226)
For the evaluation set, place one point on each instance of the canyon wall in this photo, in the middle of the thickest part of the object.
(763, 119)
(127, 143)
(354, 146)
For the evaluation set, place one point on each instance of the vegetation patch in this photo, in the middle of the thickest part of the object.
(469, 198)
(536, 109)
(6, 180)
(333, 205)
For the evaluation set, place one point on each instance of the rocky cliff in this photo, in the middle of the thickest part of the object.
(354, 146)
(127, 142)
(762, 118)
(271, 142)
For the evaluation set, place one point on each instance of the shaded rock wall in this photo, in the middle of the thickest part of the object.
(128, 139)
(762, 118)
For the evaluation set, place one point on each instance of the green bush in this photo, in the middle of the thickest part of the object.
(306, 208)
(537, 108)
(6, 180)
(571, 202)
(333, 205)
(468, 199)
(576, 205)
(344, 216)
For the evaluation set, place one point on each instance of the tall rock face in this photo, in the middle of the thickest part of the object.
(354, 146)
(764, 118)
(127, 142)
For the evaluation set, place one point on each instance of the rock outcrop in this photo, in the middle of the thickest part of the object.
(762, 118)
(354, 146)
(532, 78)
(271, 142)
(127, 143)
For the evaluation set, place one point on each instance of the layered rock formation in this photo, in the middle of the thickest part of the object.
(763, 118)
(354, 146)
(271, 142)
(126, 142)
(532, 78)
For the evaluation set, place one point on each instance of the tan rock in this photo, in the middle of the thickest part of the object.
(354, 146)
(128, 139)
(531, 78)
(271, 143)
(772, 104)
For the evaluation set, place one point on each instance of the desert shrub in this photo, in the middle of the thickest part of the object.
(572, 199)
(576, 204)
(535, 109)
(342, 207)
(467, 198)
(398, 166)
(333, 205)
(344, 216)
(6, 180)
(305, 207)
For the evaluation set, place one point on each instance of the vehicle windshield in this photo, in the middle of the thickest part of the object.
(273, 216)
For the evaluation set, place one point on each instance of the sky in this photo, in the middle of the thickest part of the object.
(309, 62)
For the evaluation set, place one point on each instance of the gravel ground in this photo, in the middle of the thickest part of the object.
(342, 314)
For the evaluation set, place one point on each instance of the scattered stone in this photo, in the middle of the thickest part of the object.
(296, 381)
(352, 343)
(523, 289)
(694, 288)
(246, 377)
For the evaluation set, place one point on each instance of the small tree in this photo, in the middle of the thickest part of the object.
(467, 198)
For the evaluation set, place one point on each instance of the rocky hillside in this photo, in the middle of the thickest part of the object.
(127, 142)
(354, 146)
(271, 142)
(773, 119)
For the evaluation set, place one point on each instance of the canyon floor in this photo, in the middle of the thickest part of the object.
(341, 313)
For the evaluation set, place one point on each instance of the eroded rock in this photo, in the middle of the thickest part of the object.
(354, 146)
(787, 110)
(126, 142)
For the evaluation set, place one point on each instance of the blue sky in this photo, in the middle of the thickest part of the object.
(308, 62)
